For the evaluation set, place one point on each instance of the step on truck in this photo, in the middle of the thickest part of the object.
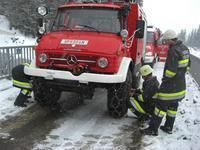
(89, 45)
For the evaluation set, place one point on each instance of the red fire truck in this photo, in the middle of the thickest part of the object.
(90, 44)
(162, 51)
(153, 35)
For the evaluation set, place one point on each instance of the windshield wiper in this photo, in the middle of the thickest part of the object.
(62, 27)
(87, 26)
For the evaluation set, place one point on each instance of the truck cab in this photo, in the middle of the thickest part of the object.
(90, 45)
(162, 50)
(151, 56)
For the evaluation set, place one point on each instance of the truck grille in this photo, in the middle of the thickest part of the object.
(67, 61)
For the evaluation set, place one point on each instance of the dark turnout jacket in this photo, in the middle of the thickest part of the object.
(173, 86)
(142, 101)
(149, 88)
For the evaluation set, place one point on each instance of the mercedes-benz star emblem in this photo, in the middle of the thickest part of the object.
(71, 60)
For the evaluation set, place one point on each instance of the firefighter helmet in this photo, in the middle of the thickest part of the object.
(146, 70)
(169, 34)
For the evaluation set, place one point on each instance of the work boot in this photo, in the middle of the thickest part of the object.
(143, 121)
(20, 100)
(166, 129)
(149, 131)
(143, 118)
(144, 124)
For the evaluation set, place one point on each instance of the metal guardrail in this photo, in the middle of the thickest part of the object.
(13, 56)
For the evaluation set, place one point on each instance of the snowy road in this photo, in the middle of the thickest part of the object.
(195, 68)
(88, 126)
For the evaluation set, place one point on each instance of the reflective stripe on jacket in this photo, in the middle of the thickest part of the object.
(173, 86)
(21, 80)
(149, 88)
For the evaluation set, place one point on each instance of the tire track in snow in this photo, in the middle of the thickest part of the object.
(85, 126)
(28, 127)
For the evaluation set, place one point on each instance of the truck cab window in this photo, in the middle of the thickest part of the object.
(88, 19)
(150, 37)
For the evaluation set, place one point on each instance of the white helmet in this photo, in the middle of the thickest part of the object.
(169, 34)
(146, 70)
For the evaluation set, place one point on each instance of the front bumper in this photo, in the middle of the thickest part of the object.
(162, 58)
(48, 74)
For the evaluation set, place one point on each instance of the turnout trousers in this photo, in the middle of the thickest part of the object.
(140, 108)
(21, 80)
(162, 108)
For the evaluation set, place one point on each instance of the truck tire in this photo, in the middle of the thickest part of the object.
(136, 81)
(136, 78)
(118, 97)
(154, 61)
(152, 64)
(44, 95)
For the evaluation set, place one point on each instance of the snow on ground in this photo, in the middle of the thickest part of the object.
(185, 134)
(12, 37)
(7, 97)
(8, 94)
(187, 125)
(195, 52)
(186, 129)
(92, 135)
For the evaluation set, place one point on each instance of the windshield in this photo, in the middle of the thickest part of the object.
(88, 19)
(150, 37)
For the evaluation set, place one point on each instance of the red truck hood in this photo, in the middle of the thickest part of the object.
(162, 47)
(92, 42)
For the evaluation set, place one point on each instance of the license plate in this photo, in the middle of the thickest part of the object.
(74, 42)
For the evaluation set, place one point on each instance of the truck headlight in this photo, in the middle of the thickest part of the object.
(41, 30)
(124, 33)
(102, 62)
(42, 58)
(42, 10)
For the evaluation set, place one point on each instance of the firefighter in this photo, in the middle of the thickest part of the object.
(173, 86)
(141, 102)
(22, 81)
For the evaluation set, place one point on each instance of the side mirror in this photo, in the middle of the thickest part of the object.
(125, 10)
(41, 27)
(124, 35)
(140, 26)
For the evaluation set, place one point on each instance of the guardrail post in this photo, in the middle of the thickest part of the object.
(9, 65)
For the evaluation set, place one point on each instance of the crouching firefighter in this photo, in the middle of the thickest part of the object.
(141, 101)
(173, 86)
(22, 81)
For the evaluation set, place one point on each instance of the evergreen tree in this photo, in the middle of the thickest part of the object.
(193, 39)
(182, 35)
(198, 38)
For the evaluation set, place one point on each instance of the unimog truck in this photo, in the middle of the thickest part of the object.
(90, 45)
